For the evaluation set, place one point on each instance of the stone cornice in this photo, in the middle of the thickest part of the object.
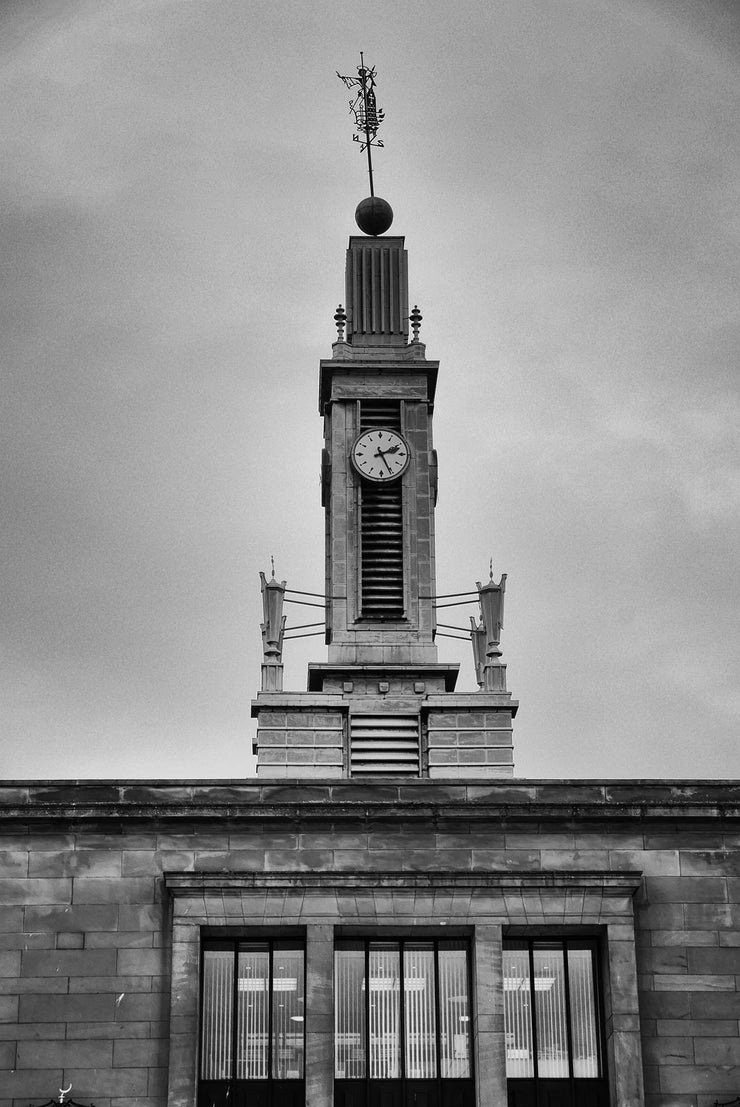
(199, 883)
(178, 800)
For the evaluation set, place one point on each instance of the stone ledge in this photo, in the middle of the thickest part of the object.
(579, 800)
(319, 672)
(608, 883)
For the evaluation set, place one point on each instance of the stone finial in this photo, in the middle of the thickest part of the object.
(415, 319)
(273, 627)
(478, 638)
(340, 319)
(491, 598)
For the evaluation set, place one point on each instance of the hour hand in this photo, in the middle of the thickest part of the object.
(381, 454)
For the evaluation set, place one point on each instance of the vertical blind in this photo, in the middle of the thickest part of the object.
(216, 1023)
(401, 1010)
(265, 981)
(550, 1013)
(384, 1004)
(583, 1013)
(253, 1014)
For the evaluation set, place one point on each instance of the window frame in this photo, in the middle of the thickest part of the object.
(364, 1090)
(271, 1088)
(537, 1087)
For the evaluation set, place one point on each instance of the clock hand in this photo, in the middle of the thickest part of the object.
(381, 454)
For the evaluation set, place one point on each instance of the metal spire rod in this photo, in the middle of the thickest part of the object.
(368, 116)
(457, 603)
(447, 595)
(368, 144)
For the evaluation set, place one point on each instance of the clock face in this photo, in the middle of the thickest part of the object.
(380, 455)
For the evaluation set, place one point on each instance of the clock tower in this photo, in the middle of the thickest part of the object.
(381, 704)
(376, 395)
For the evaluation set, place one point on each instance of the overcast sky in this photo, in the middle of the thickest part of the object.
(178, 187)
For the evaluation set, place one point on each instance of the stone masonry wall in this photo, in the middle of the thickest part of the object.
(306, 742)
(86, 921)
(465, 742)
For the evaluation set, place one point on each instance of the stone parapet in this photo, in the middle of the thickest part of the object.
(470, 735)
(299, 740)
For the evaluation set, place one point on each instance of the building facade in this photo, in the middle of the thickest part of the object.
(385, 916)
(115, 895)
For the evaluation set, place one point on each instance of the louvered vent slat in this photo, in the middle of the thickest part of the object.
(382, 551)
(380, 413)
(384, 744)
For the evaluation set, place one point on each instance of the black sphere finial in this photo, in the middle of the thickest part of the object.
(374, 215)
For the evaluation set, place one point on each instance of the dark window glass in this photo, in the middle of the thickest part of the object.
(252, 1018)
(402, 1023)
(552, 1022)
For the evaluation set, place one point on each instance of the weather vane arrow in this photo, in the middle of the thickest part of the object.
(367, 115)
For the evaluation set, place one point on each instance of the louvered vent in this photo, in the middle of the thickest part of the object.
(384, 744)
(380, 413)
(381, 527)
(382, 551)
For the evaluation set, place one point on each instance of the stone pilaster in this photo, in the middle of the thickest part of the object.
(488, 1017)
(623, 1043)
(319, 1015)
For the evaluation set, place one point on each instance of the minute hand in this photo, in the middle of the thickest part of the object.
(381, 454)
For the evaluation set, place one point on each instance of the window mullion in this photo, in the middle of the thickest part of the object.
(437, 1019)
(472, 1009)
(599, 1017)
(234, 1012)
(598, 1011)
(367, 1017)
(533, 1009)
(568, 1012)
(402, 1011)
(270, 1001)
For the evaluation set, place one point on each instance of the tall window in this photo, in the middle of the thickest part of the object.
(552, 1024)
(252, 1028)
(402, 1024)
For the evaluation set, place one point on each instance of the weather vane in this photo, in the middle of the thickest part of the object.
(364, 107)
